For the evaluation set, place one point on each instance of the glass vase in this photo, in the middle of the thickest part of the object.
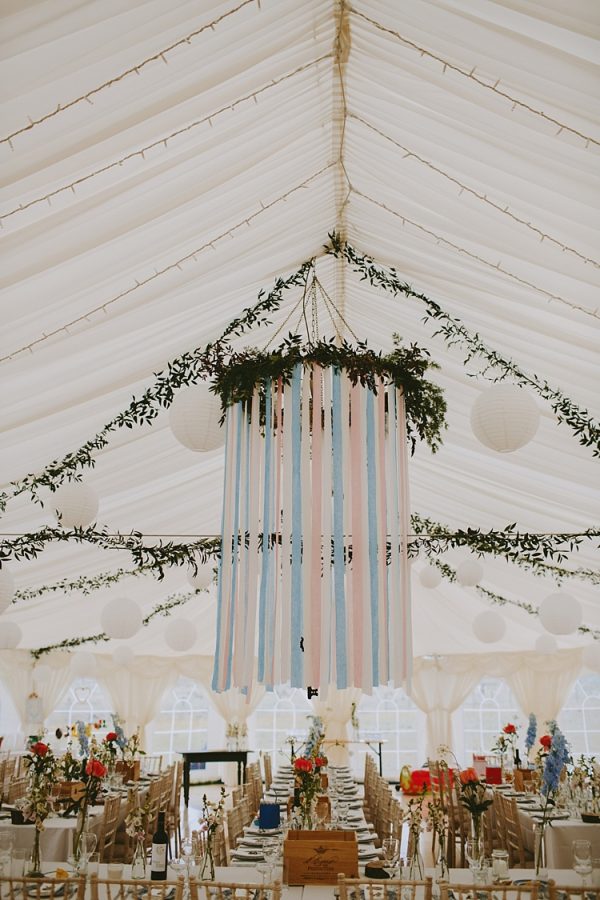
(138, 862)
(207, 866)
(35, 860)
(80, 827)
(441, 863)
(539, 850)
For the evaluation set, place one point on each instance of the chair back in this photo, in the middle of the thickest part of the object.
(125, 888)
(222, 890)
(108, 829)
(527, 891)
(44, 888)
(376, 889)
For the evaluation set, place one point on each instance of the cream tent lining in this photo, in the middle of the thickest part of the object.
(67, 257)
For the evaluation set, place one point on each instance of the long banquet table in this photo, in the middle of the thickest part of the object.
(560, 834)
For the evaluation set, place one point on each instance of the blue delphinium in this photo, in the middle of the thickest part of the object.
(84, 744)
(531, 732)
(121, 741)
(557, 757)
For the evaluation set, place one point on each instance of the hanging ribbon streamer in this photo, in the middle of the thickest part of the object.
(314, 573)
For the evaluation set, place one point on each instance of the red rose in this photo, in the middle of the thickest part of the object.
(546, 741)
(95, 768)
(301, 764)
(111, 736)
(320, 761)
(509, 729)
(469, 776)
(39, 748)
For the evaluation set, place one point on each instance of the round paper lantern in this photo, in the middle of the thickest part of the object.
(10, 635)
(560, 613)
(546, 644)
(591, 656)
(75, 504)
(180, 635)
(194, 418)
(430, 577)
(504, 417)
(203, 577)
(469, 572)
(121, 618)
(7, 588)
(41, 674)
(489, 627)
(123, 656)
(83, 664)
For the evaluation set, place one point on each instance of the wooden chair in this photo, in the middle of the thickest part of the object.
(376, 889)
(17, 788)
(125, 889)
(151, 764)
(579, 892)
(44, 888)
(235, 826)
(220, 846)
(108, 828)
(173, 823)
(518, 856)
(221, 890)
(528, 891)
(268, 767)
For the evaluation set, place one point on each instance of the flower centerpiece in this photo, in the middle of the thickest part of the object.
(128, 748)
(555, 759)
(212, 817)
(437, 818)
(41, 773)
(474, 797)
(414, 818)
(136, 826)
(506, 742)
(94, 774)
(307, 784)
(236, 735)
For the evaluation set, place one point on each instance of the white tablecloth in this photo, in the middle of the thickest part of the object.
(57, 836)
(559, 838)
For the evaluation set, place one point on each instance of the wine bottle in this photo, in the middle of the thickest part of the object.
(517, 759)
(160, 840)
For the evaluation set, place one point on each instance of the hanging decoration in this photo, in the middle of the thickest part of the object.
(121, 618)
(180, 635)
(469, 572)
(75, 505)
(504, 417)
(194, 417)
(489, 627)
(303, 424)
(560, 613)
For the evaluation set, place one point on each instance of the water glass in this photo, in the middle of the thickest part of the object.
(93, 864)
(582, 859)
(6, 845)
(391, 852)
(19, 858)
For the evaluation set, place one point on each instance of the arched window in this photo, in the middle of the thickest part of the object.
(579, 718)
(389, 715)
(281, 714)
(485, 712)
(182, 723)
(85, 700)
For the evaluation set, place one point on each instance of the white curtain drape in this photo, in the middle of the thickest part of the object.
(235, 708)
(542, 684)
(56, 680)
(439, 686)
(136, 692)
(335, 709)
(16, 669)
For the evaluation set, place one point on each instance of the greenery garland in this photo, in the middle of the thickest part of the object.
(455, 333)
(186, 369)
(155, 557)
(404, 367)
(450, 574)
(163, 609)
(85, 584)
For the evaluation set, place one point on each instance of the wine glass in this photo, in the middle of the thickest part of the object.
(582, 859)
(473, 853)
(6, 846)
(391, 851)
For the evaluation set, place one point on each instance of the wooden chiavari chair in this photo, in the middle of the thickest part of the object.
(44, 888)
(518, 856)
(528, 891)
(376, 889)
(126, 889)
(108, 828)
(222, 890)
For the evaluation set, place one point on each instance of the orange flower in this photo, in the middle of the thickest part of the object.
(95, 768)
(301, 764)
(469, 776)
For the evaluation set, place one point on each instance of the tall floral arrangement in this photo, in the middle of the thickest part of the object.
(474, 796)
(212, 817)
(531, 733)
(507, 740)
(307, 784)
(439, 824)
(557, 757)
(414, 817)
(41, 773)
(94, 774)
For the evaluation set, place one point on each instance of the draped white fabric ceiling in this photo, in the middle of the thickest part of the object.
(254, 182)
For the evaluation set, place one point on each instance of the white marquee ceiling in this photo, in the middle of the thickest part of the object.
(446, 160)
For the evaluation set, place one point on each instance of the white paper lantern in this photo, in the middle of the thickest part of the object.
(204, 576)
(430, 577)
(546, 644)
(504, 417)
(489, 627)
(41, 674)
(591, 656)
(560, 613)
(7, 588)
(121, 618)
(75, 504)
(194, 417)
(10, 635)
(180, 635)
(83, 664)
(123, 656)
(469, 572)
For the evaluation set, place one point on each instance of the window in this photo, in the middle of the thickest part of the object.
(391, 716)
(182, 723)
(84, 700)
(580, 716)
(485, 712)
(282, 713)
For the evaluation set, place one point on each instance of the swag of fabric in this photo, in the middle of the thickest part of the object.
(316, 477)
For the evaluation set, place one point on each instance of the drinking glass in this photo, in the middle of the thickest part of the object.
(6, 845)
(473, 853)
(391, 851)
(582, 859)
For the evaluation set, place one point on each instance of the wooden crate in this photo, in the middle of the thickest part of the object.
(129, 770)
(318, 857)
(68, 790)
